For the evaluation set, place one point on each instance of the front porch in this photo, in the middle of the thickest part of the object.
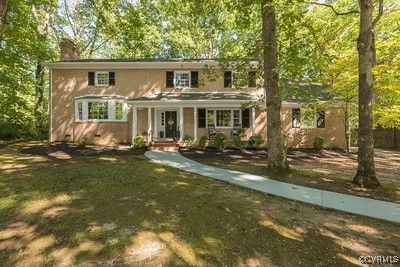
(173, 116)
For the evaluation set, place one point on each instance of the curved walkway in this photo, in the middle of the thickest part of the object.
(384, 210)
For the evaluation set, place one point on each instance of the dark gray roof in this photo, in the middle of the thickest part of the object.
(156, 60)
(305, 92)
(197, 96)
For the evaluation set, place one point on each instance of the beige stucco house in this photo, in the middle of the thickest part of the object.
(111, 101)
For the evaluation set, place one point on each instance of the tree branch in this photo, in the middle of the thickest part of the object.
(380, 13)
(333, 9)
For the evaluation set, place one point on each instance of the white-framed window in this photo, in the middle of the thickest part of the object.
(101, 78)
(224, 118)
(97, 110)
(237, 118)
(100, 110)
(210, 118)
(308, 118)
(119, 110)
(80, 111)
(182, 79)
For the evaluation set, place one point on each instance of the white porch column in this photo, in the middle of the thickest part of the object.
(195, 121)
(155, 135)
(134, 122)
(253, 120)
(181, 123)
(149, 124)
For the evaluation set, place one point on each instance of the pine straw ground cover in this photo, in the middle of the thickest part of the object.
(64, 206)
(331, 170)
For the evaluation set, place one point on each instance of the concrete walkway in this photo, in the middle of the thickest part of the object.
(384, 210)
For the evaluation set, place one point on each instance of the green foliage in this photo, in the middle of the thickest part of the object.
(189, 141)
(139, 142)
(255, 141)
(81, 143)
(238, 141)
(220, 141)
(319, 143)
(202, 142)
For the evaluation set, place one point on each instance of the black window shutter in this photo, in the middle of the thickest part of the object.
(111, 78)
(202, 118)
(296, 118)
(228, 79)
(194, 79)
(252, 79)
(246, 118)
(91, 78)
(170, 79)
(321, 119)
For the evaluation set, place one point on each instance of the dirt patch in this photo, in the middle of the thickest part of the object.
(67, 150)
(331, 170)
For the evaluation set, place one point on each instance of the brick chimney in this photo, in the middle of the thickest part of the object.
(68, 50)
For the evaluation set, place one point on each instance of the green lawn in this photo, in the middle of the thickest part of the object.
(118, 208)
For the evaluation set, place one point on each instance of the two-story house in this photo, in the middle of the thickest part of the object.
(111, 101)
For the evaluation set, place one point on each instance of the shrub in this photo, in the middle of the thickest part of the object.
(81, 143)
(319, 143)
(188, 140)
(238, 141)
(202, 142)
(220, 141)
(138, 142)
(255, 141)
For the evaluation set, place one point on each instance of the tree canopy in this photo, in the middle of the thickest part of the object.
(315, 44)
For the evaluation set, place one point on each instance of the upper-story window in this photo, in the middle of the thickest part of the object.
(233, 79)
(182, 79)
(307, 118)
(101, 78)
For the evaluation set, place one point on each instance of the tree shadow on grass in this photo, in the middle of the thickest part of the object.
(122, 209)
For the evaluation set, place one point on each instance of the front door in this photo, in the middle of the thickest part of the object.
(170, 124)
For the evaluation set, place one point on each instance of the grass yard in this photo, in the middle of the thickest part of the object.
(63, 206)
(329, 170)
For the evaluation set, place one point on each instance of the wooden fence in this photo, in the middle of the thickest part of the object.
(387, 138)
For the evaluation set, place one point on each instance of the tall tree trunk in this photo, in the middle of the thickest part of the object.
(365, 175)
(3, 10)
(39, 94)
(276, 151)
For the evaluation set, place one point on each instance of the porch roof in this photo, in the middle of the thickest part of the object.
(197, 96)
(195, 99)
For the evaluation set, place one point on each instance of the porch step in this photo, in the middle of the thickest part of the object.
(165, 148)
(165, 145)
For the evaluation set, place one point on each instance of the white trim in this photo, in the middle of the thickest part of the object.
(181, 124)
(96, 73)
(134, 122)
(149, 126)
(102, 96)
(215, 117)
(195, 123)
(253, 120)
(110, 107)
(176, 65)
(155, 134)
(183, 72)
